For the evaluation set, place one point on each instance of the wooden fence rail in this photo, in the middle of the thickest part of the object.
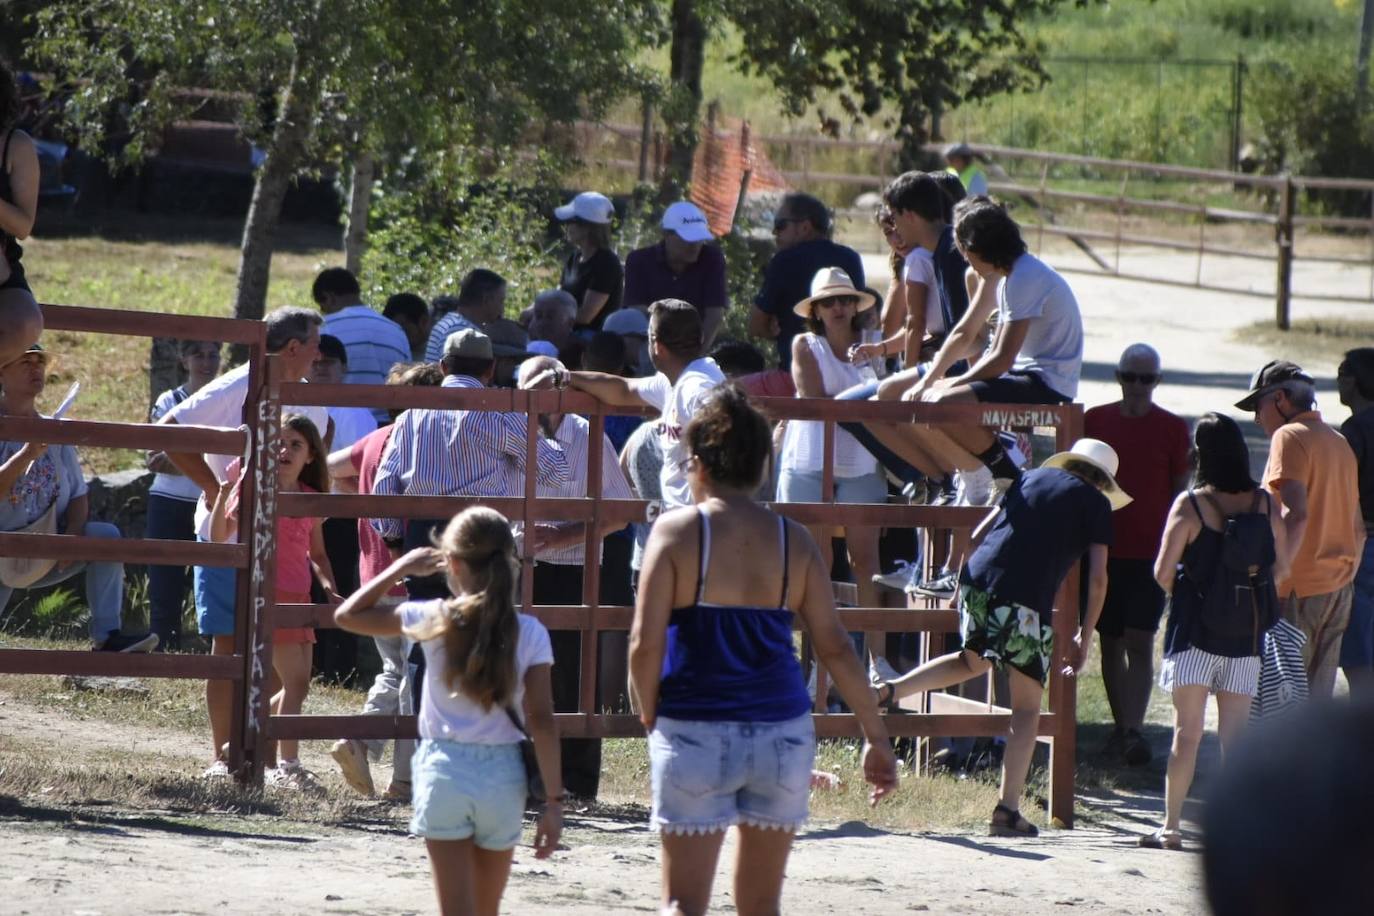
(258, 614)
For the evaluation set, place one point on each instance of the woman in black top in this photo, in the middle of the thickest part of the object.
(1196, 665)
(592, 273)
(20, 319)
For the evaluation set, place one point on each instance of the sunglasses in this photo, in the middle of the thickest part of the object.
(1138, 378)
(781, 223)
(837, 302)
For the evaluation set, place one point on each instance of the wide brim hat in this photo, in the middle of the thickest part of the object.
(1101, 456)
(830, 283)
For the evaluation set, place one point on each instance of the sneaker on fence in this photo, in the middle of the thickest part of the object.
(944, 586)
(119, 642)
(217, 770)
(351, 756)
(974, 487)
(880, 670)
(945, 494)
(900, 577)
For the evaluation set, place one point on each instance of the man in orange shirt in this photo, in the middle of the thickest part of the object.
(1313, 474)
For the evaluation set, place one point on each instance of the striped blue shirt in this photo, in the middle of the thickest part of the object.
(460, 453)
(449, 324)
(373, 342)
(574, 434)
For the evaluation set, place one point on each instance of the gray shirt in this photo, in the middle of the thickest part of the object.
(1053, 348)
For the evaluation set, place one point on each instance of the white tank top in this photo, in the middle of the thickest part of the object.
(803, 443)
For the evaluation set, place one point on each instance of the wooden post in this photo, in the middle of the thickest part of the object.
(1283, 233)
(253, 633)
(591, 570)
(1063, 690)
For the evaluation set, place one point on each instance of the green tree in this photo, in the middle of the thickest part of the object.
(900, 62)
(335, 82)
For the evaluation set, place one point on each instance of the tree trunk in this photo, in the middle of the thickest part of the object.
(688, 58)
(284, 155)
(359, 203)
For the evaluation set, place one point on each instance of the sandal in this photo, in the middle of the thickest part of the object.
(1006, 822)
(890, 702)
(1163, 839)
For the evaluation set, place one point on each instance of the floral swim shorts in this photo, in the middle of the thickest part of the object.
(1005, 633)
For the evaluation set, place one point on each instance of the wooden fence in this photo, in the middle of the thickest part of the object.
(258, 613)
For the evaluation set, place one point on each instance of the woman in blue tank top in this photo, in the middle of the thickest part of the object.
(714, 675)
(21, 321)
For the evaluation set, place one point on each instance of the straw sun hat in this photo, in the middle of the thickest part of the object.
(1101, 456)
(829, 283)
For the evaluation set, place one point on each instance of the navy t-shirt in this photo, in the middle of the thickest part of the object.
(950, 268)
(787, 281)
(1359, 432)
(1048, 520)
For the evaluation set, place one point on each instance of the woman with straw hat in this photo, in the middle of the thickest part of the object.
(821, 368)
(1049, 518)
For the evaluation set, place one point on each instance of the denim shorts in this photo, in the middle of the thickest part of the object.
(214, 588)
(805, 487)
(467, 791)
(708, 776)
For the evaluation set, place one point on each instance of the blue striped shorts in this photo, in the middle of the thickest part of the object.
(1196, 668)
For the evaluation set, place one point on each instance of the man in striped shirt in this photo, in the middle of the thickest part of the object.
(481, 300)
(459, 452)
(374, 343)
(559, 552)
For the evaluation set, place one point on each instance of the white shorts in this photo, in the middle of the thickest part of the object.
(1196, 668)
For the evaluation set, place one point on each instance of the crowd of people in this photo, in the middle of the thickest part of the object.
(1252, 572)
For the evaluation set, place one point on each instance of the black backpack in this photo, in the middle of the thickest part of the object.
(1237, 601)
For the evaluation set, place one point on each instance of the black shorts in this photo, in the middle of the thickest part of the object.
(16, 279)
(1016, 387)
(1134, 599)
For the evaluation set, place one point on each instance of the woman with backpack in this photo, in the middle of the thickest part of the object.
(1218, 561)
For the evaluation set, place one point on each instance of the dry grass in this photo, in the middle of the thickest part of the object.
(1319, 342)
(163, 265)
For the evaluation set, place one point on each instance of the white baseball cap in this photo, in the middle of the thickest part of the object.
(686, 219)
(589, 206)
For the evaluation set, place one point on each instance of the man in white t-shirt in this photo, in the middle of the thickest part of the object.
(293, 335)
(684, 377)
(1035, 356)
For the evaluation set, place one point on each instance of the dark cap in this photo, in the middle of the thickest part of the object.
(1275, 372)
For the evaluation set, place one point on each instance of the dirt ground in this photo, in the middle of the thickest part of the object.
(61, 853)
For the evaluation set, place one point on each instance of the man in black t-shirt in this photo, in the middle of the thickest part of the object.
(801, 229)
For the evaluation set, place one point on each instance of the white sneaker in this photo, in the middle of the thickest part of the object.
(900, 577)
(290, 774)
(974, 487)
(351, 756)
(880, 670)
(217, 770)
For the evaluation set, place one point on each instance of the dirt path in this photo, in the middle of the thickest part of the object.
(62, 852)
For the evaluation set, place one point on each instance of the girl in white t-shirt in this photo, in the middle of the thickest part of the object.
(481, 660)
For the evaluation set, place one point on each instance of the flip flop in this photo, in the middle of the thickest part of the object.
(1162, 839)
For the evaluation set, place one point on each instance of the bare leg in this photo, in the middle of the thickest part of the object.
(292, 664)
(1190, 703)
(452, 865)
(491, 870)
(689, 868)
(906, 442)
(1233, 711)
(1134, 696)
(219, 699)
(938, 673)
(1114, 675)
(1026, 693)
(949, 453)
(863, 561)
(760, 868)
(971, 439)
(274, 697)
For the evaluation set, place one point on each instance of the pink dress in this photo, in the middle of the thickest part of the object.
(293, 562)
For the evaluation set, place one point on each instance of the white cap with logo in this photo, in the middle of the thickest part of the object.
(686, 219)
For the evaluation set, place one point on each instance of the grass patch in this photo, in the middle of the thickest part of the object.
(185, 267)
(1316, 343)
